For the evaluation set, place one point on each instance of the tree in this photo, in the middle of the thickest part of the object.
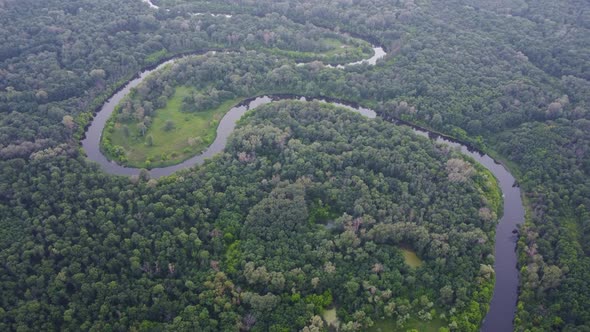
(68, 121)
(436, 120)
(446, 294)
(554, 110)
(98, 74)
(551, 277)
(142, 128)
(41, 95)
(459, 170)
(192, 141)
(169, 125)
(139, 113)
(261, 303)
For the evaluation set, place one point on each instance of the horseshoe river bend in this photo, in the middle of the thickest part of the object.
(503, 305)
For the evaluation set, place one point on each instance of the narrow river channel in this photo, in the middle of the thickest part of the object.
(503, 305)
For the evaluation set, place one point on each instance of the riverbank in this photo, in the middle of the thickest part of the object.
(503, 305)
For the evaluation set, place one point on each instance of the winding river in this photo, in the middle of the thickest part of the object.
(503, 305)
(91, 142)
(149, 2)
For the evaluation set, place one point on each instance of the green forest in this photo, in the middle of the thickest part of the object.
(313, 218)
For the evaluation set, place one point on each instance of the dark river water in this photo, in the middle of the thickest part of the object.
(502, 308)
(503, 305)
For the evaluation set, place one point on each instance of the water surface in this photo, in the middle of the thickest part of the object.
(503, 305)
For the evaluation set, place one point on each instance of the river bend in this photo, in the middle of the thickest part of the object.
(503, 305)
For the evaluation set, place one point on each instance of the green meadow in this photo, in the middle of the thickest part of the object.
(190, 135)
(411, 259)
(338, 51)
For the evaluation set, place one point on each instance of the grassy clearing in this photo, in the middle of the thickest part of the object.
(411, 259)
(338, 53)
(330, 317)
(170, 147)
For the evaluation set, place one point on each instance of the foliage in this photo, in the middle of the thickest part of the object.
(162, 136)
(82, 250)
(133, 253)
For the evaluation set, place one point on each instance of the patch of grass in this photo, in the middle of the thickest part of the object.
(169, 146)
(330, 317)
(339, 52)
(156, 56)
(321, 213)
(411, 259)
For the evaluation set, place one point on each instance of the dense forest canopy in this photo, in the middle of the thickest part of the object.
(308, 207)
(84, 250)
